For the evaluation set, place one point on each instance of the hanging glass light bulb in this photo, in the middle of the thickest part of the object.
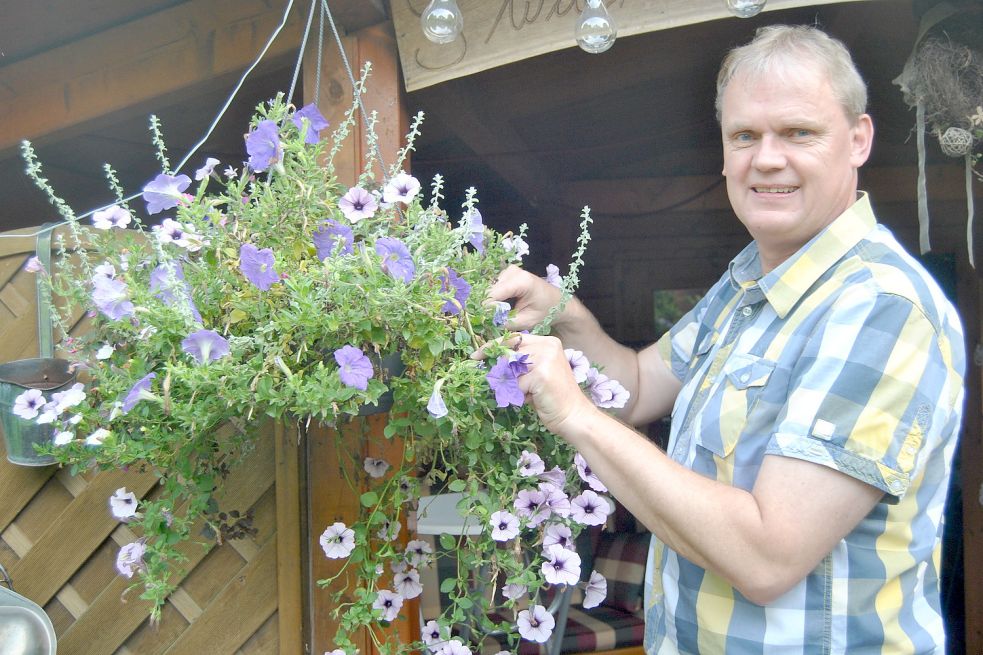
(442, 21)
(745, 8)
(595, 31)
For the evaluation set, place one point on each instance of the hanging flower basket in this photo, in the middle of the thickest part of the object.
(26, 387)
(270, 290)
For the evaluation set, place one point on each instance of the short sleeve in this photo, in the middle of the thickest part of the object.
(869, 392)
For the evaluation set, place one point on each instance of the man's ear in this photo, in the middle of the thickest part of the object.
(862, 134)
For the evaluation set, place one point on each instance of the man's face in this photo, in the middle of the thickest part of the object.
(790, 157)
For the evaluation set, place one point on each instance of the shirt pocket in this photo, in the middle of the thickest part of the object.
(741, 384)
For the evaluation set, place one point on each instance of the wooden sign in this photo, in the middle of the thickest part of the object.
(498, 32)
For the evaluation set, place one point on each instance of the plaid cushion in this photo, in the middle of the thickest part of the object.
(621, 558)
(601, 628)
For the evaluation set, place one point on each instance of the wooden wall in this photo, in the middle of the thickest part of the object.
(59, 541)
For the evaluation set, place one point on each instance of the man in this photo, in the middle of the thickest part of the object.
(815, 392)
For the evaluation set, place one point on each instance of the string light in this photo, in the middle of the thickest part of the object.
(442, 21)
(745, 8)
(595, 30)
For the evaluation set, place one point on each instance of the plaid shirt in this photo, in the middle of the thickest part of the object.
(847, 355)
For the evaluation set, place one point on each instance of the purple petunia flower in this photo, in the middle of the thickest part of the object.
(436, 405)
(263, 146)
(167, 281)
(206, 170)
(531, 505)
(33, 265)
(165, 192)
(355, 369)
(589, 509)
(337, 541)
(461, 291)
(516, 245)
(183, 236)
(501, 316)
(434, 635)
(505, 525)
(123, 504)
(583, 468)
(357, 204)
(557, 534)
(454, 647)
(476, 230)
(502, 379)
(130, 558)
(139, 391)
(514, 591)
(407, 584)
(111, 217)
(257, 266)
(389, 602)
(556, 475)
(28, 404)
(562, 566)
(110, 297)
(519, 364)
(535, 624)
(205, 346)
(401, 188)
(315, 122)
(579, 364)
(553, 275)
(396, 259)
(530, 464)
(418, 552)
(604, 391)
(595, 591)
(556, 498)
(375, 467)
(331, 235)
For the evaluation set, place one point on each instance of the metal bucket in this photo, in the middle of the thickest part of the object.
(48, 374)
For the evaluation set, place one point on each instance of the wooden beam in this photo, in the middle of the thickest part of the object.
(135, 63)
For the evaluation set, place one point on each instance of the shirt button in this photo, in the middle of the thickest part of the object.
(745, 377)
(895, 485)
(747, 311)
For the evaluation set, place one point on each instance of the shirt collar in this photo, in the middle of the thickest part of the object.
(788, 282)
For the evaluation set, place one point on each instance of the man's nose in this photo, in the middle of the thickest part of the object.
(770, 154)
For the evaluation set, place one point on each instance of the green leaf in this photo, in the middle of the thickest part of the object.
(369, 499)
(447, 585)
(457, 485)
(465, 603)
(447, 542)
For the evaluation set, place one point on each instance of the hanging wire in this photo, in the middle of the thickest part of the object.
(300, 55)
(201, 142)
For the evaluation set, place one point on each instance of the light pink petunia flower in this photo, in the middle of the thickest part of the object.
(401, 188)
(130, 559)
(589, 509)
(558, 534)
(407, 584)
(595, 591)
(434, 635)
(531, 505)
(454, 647)
(357, 204)
(418, 552)
(530, 464)
(337, 540)
(389, 602)
(562, 566)
(123, 504)
(505, 526)
(375, 467)
(583, 468)
(579, 364)
(514, 591)
(29, 404)
(535, 624)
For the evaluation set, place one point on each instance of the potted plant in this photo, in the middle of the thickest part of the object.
(271, 291)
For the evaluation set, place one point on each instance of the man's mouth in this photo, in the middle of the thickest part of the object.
(774, 189)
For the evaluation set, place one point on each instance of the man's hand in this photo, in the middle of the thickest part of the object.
(531, 297)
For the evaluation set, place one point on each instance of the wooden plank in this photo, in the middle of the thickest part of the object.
(18, 484)
(328, 497)
(289, 587)
(85, 523)
(109, 622)
(506, 31)
(239, 610)
(134, 63)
